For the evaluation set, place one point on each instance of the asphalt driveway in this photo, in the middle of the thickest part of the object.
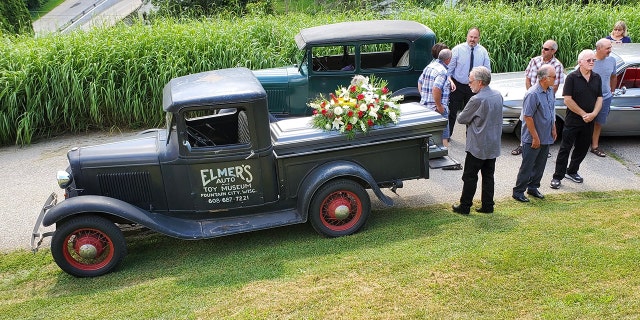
(28, 178)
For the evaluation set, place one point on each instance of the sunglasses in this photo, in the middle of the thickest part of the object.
(589, 60)
(546, 49)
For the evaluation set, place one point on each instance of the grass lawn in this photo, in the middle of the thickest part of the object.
(570, 256)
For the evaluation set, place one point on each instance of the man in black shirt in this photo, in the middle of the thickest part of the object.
(582, 94)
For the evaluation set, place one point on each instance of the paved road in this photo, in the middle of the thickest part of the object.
(83, 14)
(28, 178)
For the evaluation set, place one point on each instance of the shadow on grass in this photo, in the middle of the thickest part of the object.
(239, 259)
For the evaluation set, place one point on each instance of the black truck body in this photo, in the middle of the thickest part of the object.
(220, 167)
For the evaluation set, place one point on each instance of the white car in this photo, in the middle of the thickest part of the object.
(624, 117)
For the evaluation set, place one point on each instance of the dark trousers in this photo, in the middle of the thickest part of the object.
(457, 100)
(472, 166)
(531, 169)
(578, 138)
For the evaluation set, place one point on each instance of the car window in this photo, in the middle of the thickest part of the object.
(384, 55)
(333, 58)
(207, 128)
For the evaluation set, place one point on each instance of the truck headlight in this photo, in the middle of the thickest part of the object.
(64, 179)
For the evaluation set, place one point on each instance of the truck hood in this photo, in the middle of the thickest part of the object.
(510, 84)
(141, 150)
(512, 87)
(278, 77)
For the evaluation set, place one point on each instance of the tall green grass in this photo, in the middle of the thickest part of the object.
(114, 77)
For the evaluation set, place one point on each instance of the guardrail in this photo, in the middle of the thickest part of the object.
(80, 15)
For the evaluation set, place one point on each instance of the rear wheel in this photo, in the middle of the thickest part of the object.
(88, 246)
(339, 208)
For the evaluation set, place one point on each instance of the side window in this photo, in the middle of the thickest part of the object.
(333, 58)
(384, 55)
(207, 128)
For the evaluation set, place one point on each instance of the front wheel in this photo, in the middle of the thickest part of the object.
(88, 246)
(339, 208)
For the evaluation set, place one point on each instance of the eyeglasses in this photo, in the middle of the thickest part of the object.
(589, 60)
(618, 29)
(546, 49)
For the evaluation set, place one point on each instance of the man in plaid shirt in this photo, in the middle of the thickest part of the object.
(434, 87)
(547, 56)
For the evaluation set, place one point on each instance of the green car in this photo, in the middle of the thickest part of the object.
(393, 50)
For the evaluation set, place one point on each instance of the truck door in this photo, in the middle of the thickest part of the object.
(221, 168)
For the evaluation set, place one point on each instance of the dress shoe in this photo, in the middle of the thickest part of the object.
(520, 197)
(460, 209)
(535, 193)
(484, 210)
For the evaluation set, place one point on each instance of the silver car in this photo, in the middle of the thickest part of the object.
(624, 117)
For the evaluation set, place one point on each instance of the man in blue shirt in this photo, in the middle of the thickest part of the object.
(605, 66)
(434, 88)
(465, 56)
(538, 133)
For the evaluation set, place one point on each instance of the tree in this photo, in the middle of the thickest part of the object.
(14, 17)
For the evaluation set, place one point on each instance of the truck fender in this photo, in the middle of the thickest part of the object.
(411, 94)
(329, 171)
(118, 208)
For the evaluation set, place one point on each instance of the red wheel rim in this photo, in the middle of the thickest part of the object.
(88, 249)
(340, 210)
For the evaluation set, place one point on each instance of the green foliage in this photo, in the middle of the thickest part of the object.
(114, 77)
(571, 256)
(182, 9)
(14, 17)
(34, 4)
(514, 33)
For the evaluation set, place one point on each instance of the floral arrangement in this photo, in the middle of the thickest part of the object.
(366, 103)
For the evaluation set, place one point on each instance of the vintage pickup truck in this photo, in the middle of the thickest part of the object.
(220, 167)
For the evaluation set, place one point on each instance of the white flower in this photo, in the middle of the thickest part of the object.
(327, 126)
(393, 117)
(359, 81)
(353, 120)
(363, 107)
(338, 111)
(363, 127)
(337, 123)
(397, 98)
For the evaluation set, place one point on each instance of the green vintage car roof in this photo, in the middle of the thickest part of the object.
(345, 32)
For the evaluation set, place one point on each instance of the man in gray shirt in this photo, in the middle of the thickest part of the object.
(483, 117)
(538, 133)
(605, 66)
